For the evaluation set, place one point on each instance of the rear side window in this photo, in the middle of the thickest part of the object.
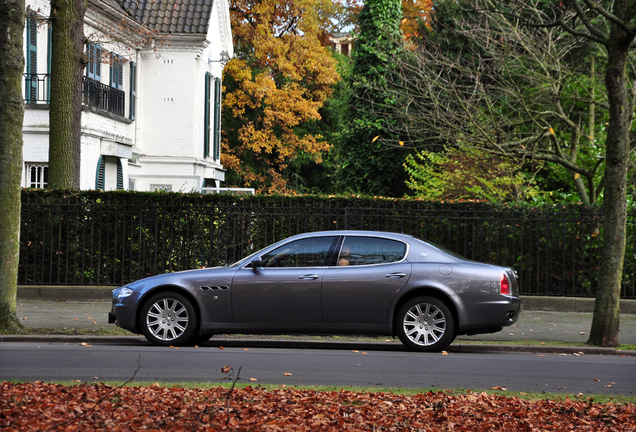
(370, 250)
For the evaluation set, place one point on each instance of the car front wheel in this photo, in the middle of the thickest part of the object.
(168, 318)
(425, 324)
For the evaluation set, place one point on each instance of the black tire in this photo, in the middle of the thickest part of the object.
(199, 339)
(168, 318)
(425, 324)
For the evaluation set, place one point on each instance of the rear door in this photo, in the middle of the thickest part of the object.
(368, 273)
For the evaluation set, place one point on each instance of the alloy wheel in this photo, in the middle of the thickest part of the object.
(424, 324)
(167, 319)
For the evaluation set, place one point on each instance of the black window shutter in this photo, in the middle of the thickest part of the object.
(133, 90)
(32, 61)
(99, 176)
(217, 118)
(120, 175)
(206, 117)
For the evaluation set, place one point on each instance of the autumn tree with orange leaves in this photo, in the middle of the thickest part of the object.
(279, 79)
(416, 13)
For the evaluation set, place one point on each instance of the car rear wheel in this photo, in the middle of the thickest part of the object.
(168, 318)
(200, 339)
(425, 324)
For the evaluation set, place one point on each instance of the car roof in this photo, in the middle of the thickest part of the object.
(355, 233)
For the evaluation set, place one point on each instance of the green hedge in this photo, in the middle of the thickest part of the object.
(111, 238)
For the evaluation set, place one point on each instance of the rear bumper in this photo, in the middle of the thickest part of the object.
(489, 314)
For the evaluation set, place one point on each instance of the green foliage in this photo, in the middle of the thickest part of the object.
(465, 173)
(303, 174)
(369, 157)
(481, 79)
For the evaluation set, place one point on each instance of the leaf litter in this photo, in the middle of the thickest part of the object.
(38, 406)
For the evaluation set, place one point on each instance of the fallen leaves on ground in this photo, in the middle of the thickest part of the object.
(91, 407)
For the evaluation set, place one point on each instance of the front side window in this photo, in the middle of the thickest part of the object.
(370, 250)
(310, 252)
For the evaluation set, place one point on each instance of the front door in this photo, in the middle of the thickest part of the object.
(287, 289)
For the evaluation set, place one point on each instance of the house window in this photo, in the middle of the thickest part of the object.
(37, 175)
(110, 175)
(116, 71)
(206, 116)
(217, 118)
(94, 66)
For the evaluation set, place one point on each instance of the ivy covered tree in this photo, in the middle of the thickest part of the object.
(370, 157)
(11, 116)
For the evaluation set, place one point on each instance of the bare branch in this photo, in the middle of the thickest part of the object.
(580, 13)
(608, 15)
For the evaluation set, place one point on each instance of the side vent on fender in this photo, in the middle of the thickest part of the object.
(215, 288)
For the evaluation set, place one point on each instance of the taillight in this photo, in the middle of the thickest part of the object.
(505, 284)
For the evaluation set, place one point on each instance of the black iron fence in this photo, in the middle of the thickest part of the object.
(111, 238)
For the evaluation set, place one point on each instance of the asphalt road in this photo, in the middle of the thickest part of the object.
(526, 372)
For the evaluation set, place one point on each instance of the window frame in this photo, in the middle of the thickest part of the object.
(344, 244)
(41, 183)
(273, 254)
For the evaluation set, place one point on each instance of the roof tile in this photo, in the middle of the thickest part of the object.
(174, 16)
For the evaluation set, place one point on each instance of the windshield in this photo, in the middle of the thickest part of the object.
(247, 258)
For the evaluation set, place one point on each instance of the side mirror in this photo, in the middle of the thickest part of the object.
(257, 263)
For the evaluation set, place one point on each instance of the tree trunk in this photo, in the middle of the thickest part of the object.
(11, 117)
(605, 324)
(67, 52)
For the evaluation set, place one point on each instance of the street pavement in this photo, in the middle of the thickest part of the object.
(532, 326)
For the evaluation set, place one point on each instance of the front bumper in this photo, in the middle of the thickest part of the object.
(123, 311)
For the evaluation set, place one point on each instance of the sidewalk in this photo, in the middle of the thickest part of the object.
(533, 325)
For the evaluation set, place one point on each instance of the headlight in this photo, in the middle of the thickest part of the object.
(125, 292)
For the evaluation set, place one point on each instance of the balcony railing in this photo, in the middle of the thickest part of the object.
(102, 96)
(94, 93)
(36, 88)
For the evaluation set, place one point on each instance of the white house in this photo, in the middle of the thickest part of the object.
(151, 114)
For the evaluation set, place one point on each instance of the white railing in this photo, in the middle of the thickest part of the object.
(216, 190)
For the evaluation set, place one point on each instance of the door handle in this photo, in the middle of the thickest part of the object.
(309, 277)
(396, 275)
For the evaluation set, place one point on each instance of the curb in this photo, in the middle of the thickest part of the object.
(300, 344)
